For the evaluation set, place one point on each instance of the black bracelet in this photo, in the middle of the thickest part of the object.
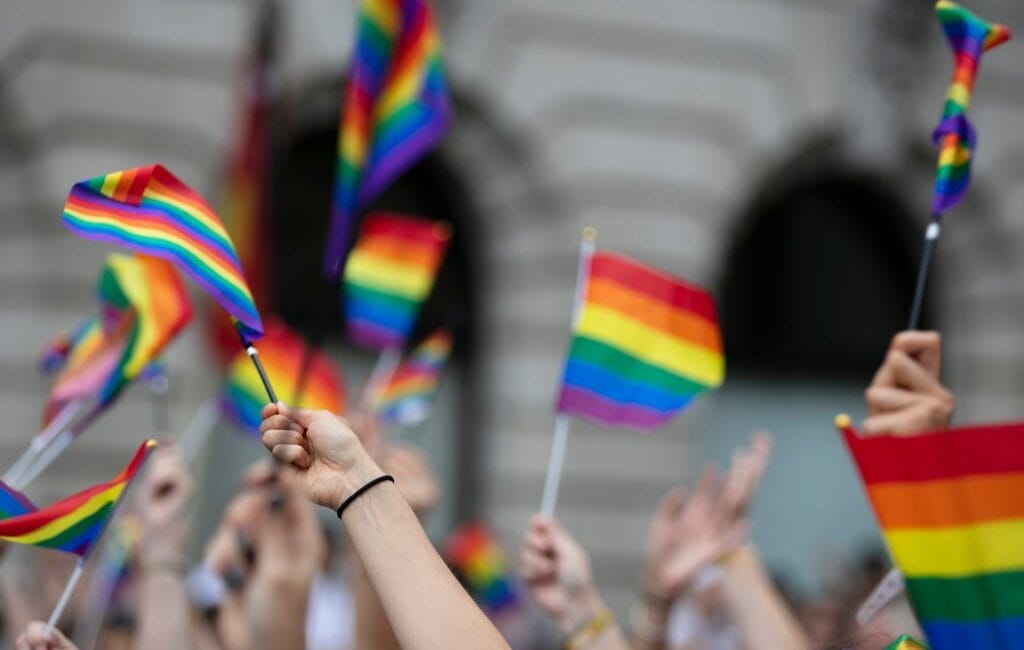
(355, 495)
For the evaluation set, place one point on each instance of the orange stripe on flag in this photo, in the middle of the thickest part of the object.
(658, 315)
(949, 502)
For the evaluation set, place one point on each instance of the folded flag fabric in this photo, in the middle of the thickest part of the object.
(408, 397)
(951, 510)
(76, 523)
(969, 36)
(13, 503)
(644, 345)
(395, 110)
(147, 209)
(479, 562)
(388, 276)
(281, 351)
(143, 306)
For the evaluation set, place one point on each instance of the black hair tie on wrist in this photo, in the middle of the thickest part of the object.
(358, 493)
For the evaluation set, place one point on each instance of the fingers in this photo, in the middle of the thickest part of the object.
(268, 410)
(924, 347)
(283, 437)
(303, 417)
(261, 474)
(671, 503)
(882, 399)
(292, 455)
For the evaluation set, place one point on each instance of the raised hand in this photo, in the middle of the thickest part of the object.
(906, 395)
(557, 572)
(161, 506)
(330, 462)
(37, 637)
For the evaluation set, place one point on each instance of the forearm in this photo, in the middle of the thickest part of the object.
(372, 627)
(649, 623)
(425, 604)
(764, 619)
(163, 612)
(276, 613)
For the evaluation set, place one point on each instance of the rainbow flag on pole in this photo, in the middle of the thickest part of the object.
(408, 397)
(969, 36)
(147, 209)
(480, 563)
(388, 276)
(74, 524)
(143, 306)
(644, 345)
(281, 351)
(396, 109)
(951, 508)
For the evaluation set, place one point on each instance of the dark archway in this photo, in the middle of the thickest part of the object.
(820, 274)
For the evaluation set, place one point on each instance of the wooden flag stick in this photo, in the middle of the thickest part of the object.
(65, 596)
(560, 440)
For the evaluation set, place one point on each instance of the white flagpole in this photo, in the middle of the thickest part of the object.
(41, 440)
(382, 372)
(198, 430)
(560, 441)
(65, 596)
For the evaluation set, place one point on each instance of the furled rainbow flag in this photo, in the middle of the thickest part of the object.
(143, 306)
(951, 508)
(76, 523)
(969, 36)
(479, 562)
(281, 351)
(645, 344)
(396, 109)
(149, 210)
(408, 396)
(388, 276)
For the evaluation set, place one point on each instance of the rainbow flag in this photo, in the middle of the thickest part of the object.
(396, 109)
(951, 508)
(645, 344)
(149, 210)
(906, 642)
(281, 351)
(409, 394)
(969, 36)
(143, 306)
(13, 503)
(388, 276)
(76, 523)
(478, 561)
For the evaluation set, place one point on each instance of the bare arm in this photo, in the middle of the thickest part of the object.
(164, 620)
(764, 619)
(423, 601)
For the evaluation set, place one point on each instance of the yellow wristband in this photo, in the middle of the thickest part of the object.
(589, 631)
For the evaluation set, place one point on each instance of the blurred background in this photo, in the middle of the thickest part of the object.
(776, 151)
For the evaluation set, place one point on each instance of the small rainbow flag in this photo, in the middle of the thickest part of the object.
(143, 306)
(76, 523)
(409, 394)
(951, 510)
(147, 209)
(906, 642)
(396, 109)
(969, 36)
(479, 562)
(281, 351)
(388, 276)
(645, 344)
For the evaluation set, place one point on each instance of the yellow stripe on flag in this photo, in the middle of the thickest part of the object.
(652, 346)
(61, 524)
(958, 551)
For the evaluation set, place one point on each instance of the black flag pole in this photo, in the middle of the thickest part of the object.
(931, 238)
